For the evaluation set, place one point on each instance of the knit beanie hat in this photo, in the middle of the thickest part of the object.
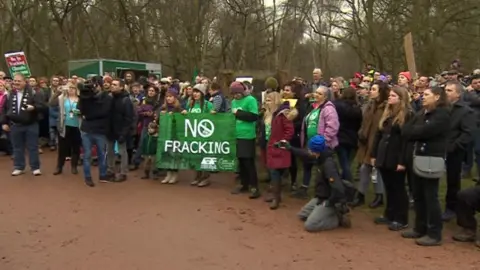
(200, 87)
(172, 91)
(406, 74)
(271, 83)
(107, 79)
(317, 144)
(237, 88)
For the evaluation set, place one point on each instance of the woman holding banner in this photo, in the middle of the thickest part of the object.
(198, 104)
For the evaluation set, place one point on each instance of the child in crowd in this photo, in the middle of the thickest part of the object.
(171, 105)
(198, 104)
(149, 148)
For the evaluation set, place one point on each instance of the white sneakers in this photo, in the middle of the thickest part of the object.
(171, 178)
(17, 172)
(36, 172)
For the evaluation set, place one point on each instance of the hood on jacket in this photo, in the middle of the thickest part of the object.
(327, 103)
(290, 113)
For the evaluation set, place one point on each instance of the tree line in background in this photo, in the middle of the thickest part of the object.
(339, 36)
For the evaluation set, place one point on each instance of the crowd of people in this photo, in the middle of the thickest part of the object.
(402, 136)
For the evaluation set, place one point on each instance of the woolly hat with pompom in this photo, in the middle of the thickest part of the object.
(237, 88)
(271, 83)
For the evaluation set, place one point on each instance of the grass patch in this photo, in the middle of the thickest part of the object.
(442, 191)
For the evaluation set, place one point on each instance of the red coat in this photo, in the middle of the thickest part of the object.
(281, 129)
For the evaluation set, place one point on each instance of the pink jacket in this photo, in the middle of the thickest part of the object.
(328, 125)
(3, 99)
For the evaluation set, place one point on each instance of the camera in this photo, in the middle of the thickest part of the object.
(280, 144)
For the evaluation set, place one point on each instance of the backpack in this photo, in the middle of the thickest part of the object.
(226, 104)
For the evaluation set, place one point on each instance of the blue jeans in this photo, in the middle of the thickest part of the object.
(345, 155)
(88, 141)
(25, 137)
(137, 158)
(53, 136)
(276, 174)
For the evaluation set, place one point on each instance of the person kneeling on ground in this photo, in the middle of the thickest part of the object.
(468, 205)
(327, 210)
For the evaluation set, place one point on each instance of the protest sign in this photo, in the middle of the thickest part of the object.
(17, 63)
(202, 142)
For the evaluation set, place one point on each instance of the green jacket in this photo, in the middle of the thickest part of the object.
(149, 145)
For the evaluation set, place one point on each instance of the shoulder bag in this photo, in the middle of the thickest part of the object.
(427, 166)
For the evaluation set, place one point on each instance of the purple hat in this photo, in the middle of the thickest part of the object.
(172, 91)
(237, 88)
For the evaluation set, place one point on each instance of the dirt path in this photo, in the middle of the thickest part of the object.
(56, 222)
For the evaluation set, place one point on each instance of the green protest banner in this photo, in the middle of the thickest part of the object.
(202, 142)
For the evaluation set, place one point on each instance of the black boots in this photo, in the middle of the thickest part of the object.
(57, 171)
(377, 202)
(359, 200)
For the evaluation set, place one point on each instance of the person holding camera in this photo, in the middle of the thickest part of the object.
(20, 118)
(328, 209)
(94, 106)
(122, 116)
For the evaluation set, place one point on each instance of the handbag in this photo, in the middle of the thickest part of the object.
(427, 166)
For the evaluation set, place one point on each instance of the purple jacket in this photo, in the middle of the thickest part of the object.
(328, 125)
(143, 108)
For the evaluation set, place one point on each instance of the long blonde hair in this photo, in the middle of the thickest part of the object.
(398, 111)
(67, 87)
(276, 99)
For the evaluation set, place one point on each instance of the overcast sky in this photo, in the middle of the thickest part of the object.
(270, 2)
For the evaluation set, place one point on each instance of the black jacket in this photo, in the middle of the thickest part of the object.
(472, 98)
(122, 116)
(95, 110)
(301, 107)
(11, 114)
(328, 183)
(390, 147)
(429, 132)
(350, 118)
(462, 122)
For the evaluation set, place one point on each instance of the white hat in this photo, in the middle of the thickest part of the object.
(166, 80)
(200, 87)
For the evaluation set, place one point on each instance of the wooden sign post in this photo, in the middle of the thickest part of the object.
(410, 54)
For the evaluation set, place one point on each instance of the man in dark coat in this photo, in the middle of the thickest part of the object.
(20, 118)
(94, 106)
(121, 119)
(462, 122)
